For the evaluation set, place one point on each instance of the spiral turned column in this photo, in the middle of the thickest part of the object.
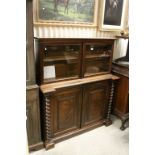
(47, 122)
(108, 119)
(48, 132)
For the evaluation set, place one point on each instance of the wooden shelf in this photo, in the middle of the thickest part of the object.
(59, 79)
(46, 88)
(94, 74)
(95, 56)
(61, 58)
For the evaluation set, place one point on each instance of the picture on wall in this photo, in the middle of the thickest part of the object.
(67, 11)
(112, 14)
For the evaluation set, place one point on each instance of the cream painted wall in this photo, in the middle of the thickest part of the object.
(120, 48)
(44, 31)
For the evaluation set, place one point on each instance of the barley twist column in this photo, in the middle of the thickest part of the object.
(48, 126)
(108, 119)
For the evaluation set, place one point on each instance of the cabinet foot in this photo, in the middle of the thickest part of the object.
(124, 125)
(36, 147)
(108, 122)
(49, 145)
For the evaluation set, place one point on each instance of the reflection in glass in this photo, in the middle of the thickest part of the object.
(97, 59)
(63, 60)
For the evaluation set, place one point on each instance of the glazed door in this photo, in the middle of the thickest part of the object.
(97, 58)
(95, 101)
(61, 61)
(67, 110)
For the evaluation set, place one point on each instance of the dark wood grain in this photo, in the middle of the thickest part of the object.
(75, 108)
(78, 99)
(32, 90)
(53, 86)
(121, 98)
(95, 101)
(30, 63)
(67, 110)
(121, 106)
(33, 118)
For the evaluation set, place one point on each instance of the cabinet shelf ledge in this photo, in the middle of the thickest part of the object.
(47, 88)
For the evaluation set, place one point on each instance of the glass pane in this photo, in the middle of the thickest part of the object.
(61, 62)
(97, 59)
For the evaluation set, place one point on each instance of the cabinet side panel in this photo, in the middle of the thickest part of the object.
(121, 103)
(30, 61)
(33, 116)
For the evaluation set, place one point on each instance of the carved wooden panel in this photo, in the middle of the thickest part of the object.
(67, 103)
(95, 102)
(47, 115)
(33, 117)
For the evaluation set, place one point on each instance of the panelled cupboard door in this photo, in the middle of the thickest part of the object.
(95, 102)
(66, 110)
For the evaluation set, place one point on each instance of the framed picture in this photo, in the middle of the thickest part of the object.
(67, 12)
(113, 15)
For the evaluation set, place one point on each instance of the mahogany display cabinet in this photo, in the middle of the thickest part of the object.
(76, 86)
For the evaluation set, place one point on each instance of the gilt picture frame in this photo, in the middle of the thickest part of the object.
(67, 12)
(113, 14)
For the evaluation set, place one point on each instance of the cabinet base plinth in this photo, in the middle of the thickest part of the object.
(108, 122)
(36, 147)
(49, 144)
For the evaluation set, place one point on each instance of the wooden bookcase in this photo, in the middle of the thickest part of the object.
(76, 86)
